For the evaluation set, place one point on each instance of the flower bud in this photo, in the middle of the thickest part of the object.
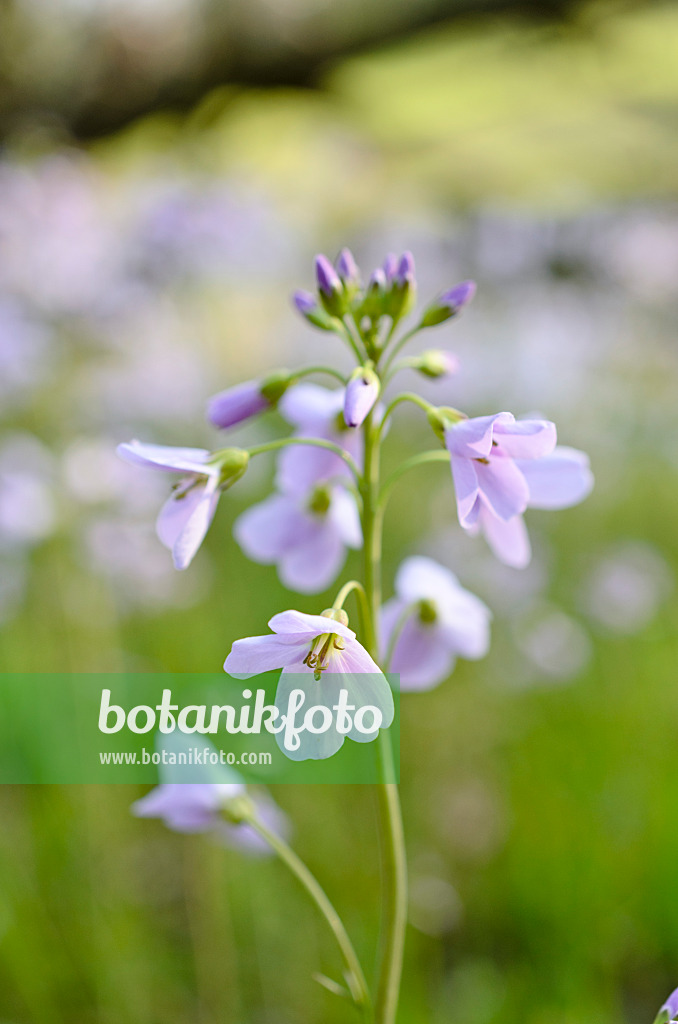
(307, 305)
(362, 392)
(449, 304)
(330, 288)
(435, 363)
(347, 268)
(237, 404)
(337, 614)
(390, 266)
(233, 463)
(404, 288)
(376, 294)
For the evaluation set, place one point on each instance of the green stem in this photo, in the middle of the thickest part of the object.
(347, 589)
(406, 396)
(400, 343)
(417, 460)
(348, 335)
(355, 975)
(314, 442)
(394, 914)
(307, 371)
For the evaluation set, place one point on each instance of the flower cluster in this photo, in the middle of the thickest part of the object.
(325, 493)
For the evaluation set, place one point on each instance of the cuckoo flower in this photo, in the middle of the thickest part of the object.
(242, 402)
(320, 656)
(669, 1011)
(449, 304)
(501, 466)
(203, 807)
(306, 537)
(430, 621)
(186, 516)
(315, 411)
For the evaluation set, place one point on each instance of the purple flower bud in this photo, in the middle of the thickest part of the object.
(347, 268)
(236, 404)
(458, 296)
(436, 363)
(326, 276)
(362, 392)
(305, 302)
(390, 266)
(405, 272)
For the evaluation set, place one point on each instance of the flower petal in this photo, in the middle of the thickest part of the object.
(255, 654)
(502, 487)
(161, 456)
(301, 624)
(559, 480)
(472, 439)
(196, 526)
(315, 561)
(508, 539)
(344, 516)
(422, 655)
(266, 530)
(466, 489)
(526, 439)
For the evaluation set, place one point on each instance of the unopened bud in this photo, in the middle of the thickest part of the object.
(443, 417)
(337, 614)
(330, 288)
(347, 268)
(239, 809)
(435, 363)
(362, 392)
(275, 385)
(309, 308)
(449, 304)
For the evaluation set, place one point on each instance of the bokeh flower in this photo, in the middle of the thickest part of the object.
(306, 536)
(199, 807)
(430, 620)
(316, 412)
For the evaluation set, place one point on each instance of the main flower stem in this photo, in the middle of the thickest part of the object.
(354, 972)
(394, 912)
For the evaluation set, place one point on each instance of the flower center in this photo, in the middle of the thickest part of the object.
(427, 612)
(322, 648)
(320, 500)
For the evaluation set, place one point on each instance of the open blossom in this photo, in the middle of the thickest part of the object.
(187, 515)
(320, 656)
(430, 621)
(317, 412)
(198, 807)
(501, 466)
(305, 536)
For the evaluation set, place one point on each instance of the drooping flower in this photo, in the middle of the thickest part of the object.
(305, 536)
(316, 412)
(199, 807)
(430, 621)
(669, 1011)
(501, 466)
(242, 402)
(319, 655)
(362, 391)
(186, 516)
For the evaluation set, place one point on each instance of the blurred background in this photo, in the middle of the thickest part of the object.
(168, 168)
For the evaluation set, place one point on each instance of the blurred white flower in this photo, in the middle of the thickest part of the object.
(556, 644)
(27, 508)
